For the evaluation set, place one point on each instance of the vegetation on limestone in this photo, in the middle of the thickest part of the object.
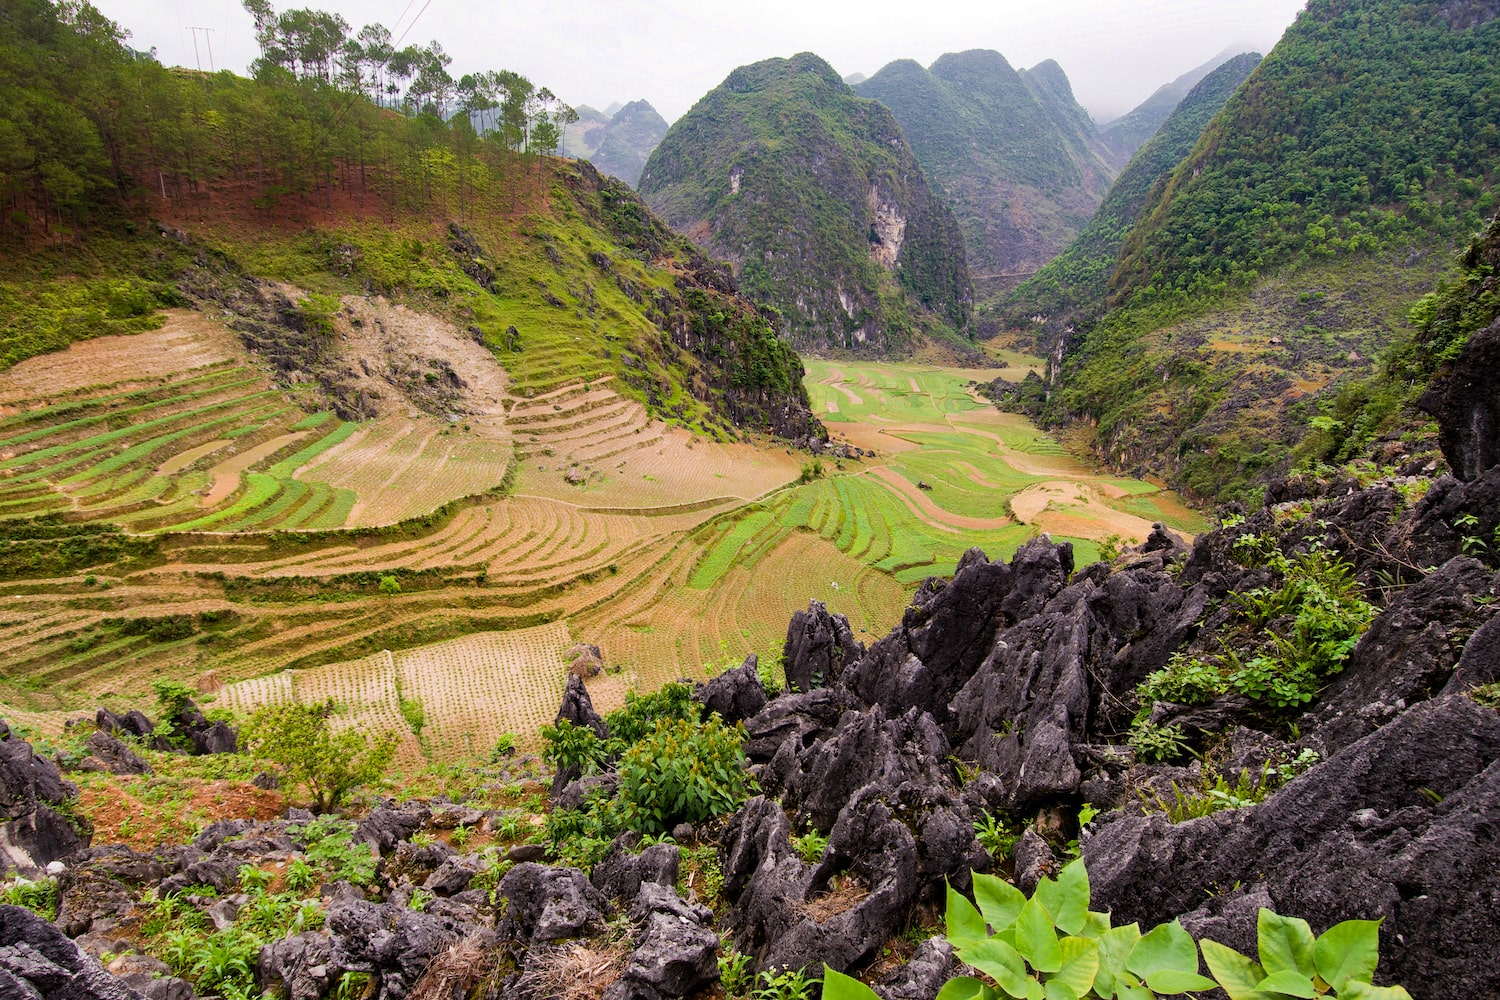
(813, 194)
(1052, 945)
(299, 741)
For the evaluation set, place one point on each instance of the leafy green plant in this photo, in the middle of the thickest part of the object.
(789, 984)
(505, 746)
(297, 740)
(642, 712)
(1053, 947)
(1156, 743)
(810, 846)
(1487, 695)
(735, 975)
(254, 880)
(461, 835)
(573, 746)
(301, 876)
(997, 834)
(683, 772)
(40, 896)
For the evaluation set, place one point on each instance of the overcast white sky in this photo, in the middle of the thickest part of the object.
(671, 52)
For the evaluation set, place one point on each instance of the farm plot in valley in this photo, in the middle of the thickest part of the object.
(676, 554)
(470, 691)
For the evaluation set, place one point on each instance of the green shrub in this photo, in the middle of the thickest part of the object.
(297, 740)
(40, 896)
(683, 772)
(573, 746)
(642, 712)
(810, 846)
(1157, 744)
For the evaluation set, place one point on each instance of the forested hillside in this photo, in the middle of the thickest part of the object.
(1073, 284)
(1014, 154)
(617, 144)
(1279, 259)
(812, 193)
(349, 166)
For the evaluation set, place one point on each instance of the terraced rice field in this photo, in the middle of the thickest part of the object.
(673, 553)
(471, 690)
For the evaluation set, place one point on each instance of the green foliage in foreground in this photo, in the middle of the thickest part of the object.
(671, 769)
(1314, 619)
(1053, 947)
(40, 897)
(298, 741)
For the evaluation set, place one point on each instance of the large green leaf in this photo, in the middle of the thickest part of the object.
(1080, 964)
(966, 988)
(1286, 944)
(1058, 990)
(1167, 948)
(1095, 926)
(998, 900)
(1000, 962)
(1174, 981)
(1348, 951)
(1364, 991)
(1067, 897)
(1115, 946)
(1237, 975)
(837, 986)
(1036, 938)
(1292, 984)
(1134, 992)
(964, 923)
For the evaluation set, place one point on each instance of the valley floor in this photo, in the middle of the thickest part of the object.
(562, 517)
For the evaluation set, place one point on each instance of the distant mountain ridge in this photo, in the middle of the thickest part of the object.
(1018, 159)
(813, 194)
(1279, 260)
(1126, 134)
(618, 142)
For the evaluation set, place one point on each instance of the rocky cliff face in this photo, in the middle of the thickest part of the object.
(1014, 153)
(814, 197)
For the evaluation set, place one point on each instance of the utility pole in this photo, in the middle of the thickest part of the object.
(208, 40)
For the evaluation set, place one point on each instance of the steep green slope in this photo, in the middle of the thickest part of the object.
(1013, 152)
(1128, 133)
(564, 274)
(1073, 284)
(1278, 260)
(626, 143)
(812, 193)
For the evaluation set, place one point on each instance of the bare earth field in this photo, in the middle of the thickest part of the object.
(270, 522)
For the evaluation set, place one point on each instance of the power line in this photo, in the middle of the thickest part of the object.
(397, 44)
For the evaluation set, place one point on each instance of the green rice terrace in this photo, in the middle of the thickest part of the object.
(169, 512)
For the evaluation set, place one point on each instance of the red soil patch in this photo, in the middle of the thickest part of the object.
(121, 818)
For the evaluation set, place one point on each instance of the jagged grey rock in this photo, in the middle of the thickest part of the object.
(38, 960)
(549, 904)
(819, 646)
(1398, 825)
(735, 694)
